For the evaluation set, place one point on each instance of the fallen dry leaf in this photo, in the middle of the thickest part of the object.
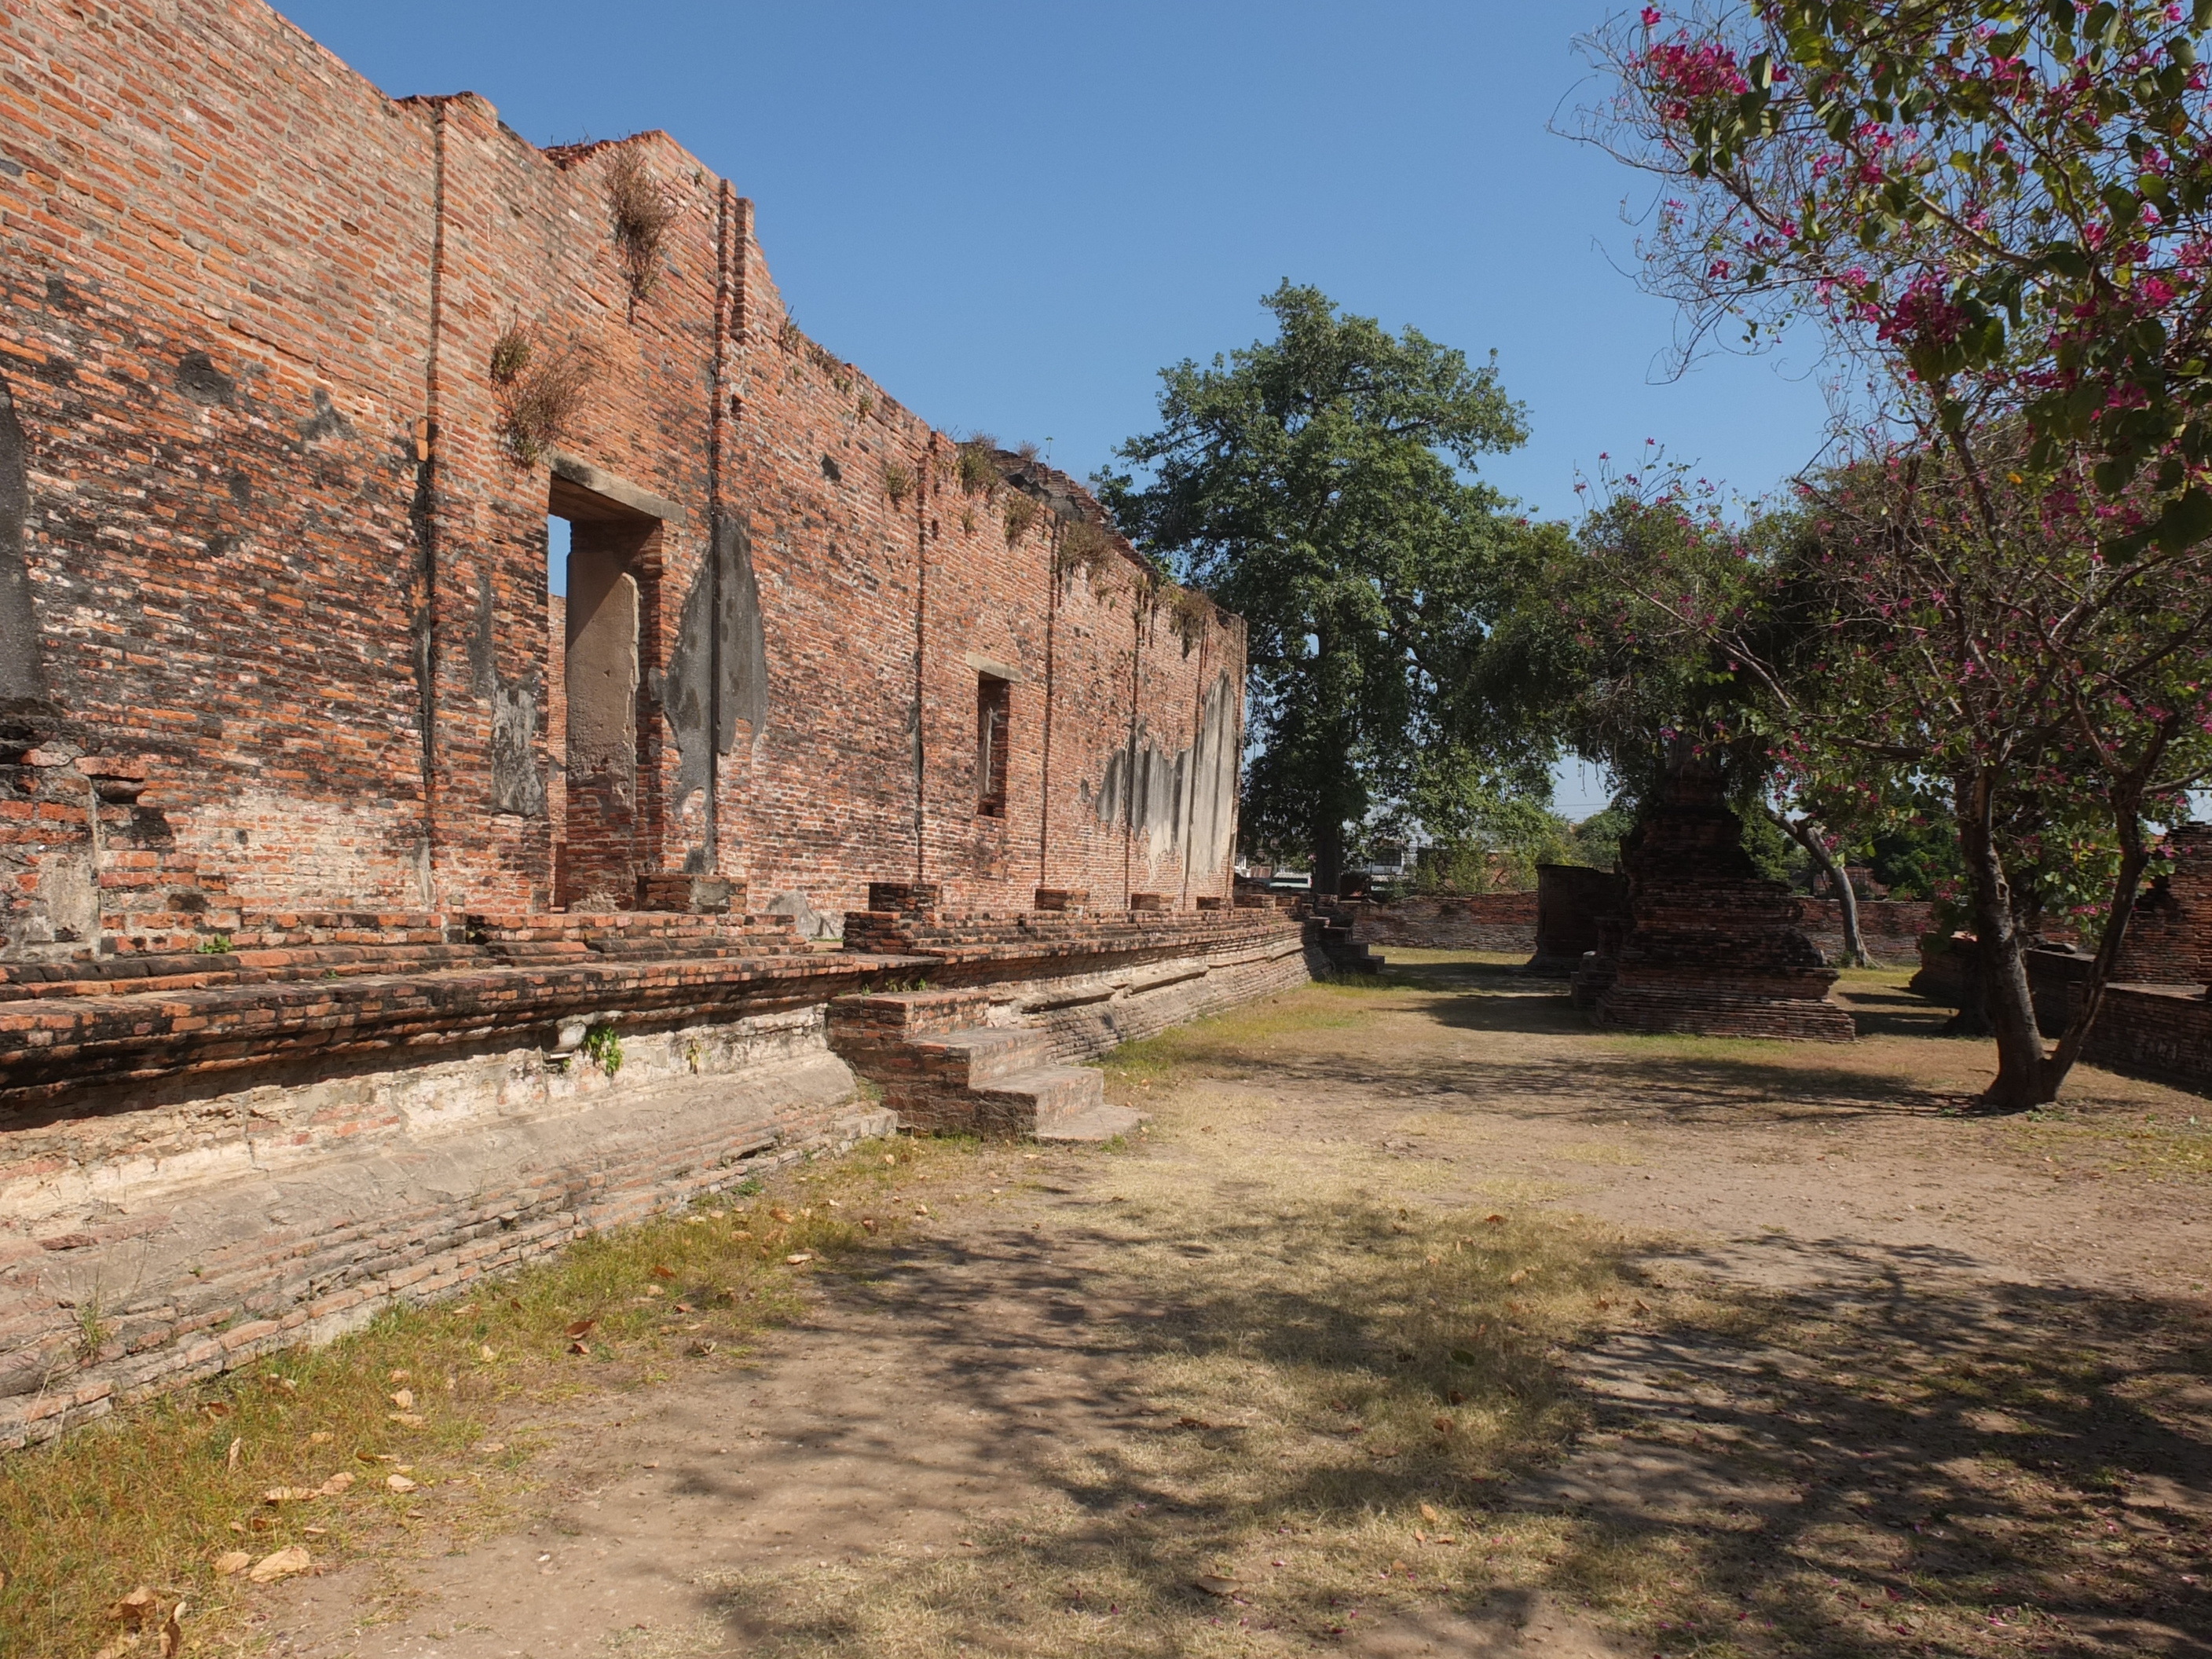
(487, 1354)
(1445, 1425)
(231, 1460)
(335, 1485)
(136, 1608)
(868, 1226)
(1214, 1584)
(741, 1233)
(1494, 1219)
(119, 1646)
(217, 1409)
(492, 1447)
(580, 1347)
(232, 1561)
(287, 1494)
(581, 1328)
(321, 1438)
(799, 1260)
(399, 1483)
(172, 1632)
(1517, 1275)
(781, 1214)
(660, 1271)
(701, 1349)
(405, 1400)
(405, 1419)
(292, 1559)
(1429, 1512)
(1193, 1423)
(398, 1376)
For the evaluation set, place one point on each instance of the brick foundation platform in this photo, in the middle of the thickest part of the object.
(1713, 948)
(221, 1152)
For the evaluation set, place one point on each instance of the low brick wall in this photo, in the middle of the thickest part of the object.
(2158, 1031)
(1890, 928)
(1445, 921)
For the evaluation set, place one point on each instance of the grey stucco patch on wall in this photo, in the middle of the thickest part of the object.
(517, 785)
(1213, 772)
(1164, 797)
(21, 674)
(743, 656)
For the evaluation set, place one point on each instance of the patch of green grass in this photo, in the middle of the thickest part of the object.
(155, 1494)
(1244, 1035)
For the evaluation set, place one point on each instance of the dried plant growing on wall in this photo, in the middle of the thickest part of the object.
(1086, 547)
(1191, 612)
(1022, 511)
(788, 334)
(977, 466)
(642, 208)
(538, 386)
(898, 478)
(865, 406)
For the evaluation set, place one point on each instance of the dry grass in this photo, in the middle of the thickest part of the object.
(156, 1495)
(1341, 1389)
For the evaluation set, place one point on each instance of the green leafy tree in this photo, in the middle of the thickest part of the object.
(1316, 484)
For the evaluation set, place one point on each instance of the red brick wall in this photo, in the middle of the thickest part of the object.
(235, 281)
(1472, 922)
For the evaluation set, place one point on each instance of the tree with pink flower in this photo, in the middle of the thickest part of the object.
(1999, 217)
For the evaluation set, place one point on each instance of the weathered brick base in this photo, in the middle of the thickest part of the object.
(204, 1234)
(249, 1188)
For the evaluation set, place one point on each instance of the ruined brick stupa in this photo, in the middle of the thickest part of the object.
(1713, 947)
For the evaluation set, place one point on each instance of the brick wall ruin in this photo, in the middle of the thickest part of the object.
(266, 540)
(330, 837)
(1710, 946)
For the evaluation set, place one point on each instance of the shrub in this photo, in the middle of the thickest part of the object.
(898, 478)
(1022, 511)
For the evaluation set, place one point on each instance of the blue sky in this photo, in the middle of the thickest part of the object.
(1012, 216)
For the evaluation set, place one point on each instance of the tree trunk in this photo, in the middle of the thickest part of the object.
(2005, 997)
(1808, 836)
(1327, 853)
(2134, 859)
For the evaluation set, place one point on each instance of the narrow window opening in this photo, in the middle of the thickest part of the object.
(993, 711)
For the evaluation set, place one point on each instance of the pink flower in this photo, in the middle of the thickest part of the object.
(1651, 17)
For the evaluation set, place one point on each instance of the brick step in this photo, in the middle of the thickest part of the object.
(981, 1056)
(1049, 1101)
(1101, 1122)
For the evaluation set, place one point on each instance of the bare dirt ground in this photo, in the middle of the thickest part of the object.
(1423, 1319)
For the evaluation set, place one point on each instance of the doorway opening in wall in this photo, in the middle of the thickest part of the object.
(602, 566)
(994, 714)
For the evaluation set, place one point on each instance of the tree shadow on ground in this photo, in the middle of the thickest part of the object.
(1947, 1459)
(1908, 1457)
(1677, 1077)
